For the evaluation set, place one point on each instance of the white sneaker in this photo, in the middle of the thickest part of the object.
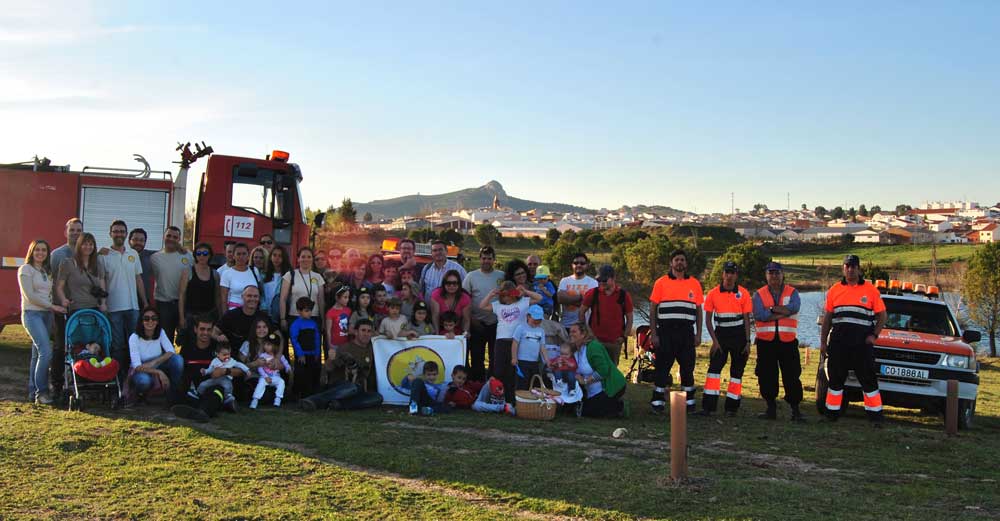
(43, 399)
(413, 408)
(253, 403)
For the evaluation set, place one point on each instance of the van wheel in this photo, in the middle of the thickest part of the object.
(966, 410)
(821, 387)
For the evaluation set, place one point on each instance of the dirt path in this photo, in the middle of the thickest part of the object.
(616, 449)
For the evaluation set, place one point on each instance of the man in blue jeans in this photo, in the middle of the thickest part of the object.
(342, 394)
(123, 270)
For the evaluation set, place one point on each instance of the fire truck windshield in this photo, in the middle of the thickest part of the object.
(264, 192)
(919, 317)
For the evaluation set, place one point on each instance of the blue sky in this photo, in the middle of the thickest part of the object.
(597, 104)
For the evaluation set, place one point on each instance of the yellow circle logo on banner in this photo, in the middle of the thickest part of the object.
(411, 361)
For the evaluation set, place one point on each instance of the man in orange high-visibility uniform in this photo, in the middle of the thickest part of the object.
(727, 318)
(855, 315)
(776, 308)
(675, 313)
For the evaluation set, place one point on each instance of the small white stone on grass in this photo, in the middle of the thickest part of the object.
(619, 433)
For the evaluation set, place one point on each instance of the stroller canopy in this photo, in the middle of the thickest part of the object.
(86, 326)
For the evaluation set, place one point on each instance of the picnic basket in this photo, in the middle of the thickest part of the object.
(537, 403)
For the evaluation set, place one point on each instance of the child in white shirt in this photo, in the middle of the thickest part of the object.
(269, 376)
(224, 359)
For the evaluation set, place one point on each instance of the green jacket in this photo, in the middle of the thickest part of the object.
(598, 358)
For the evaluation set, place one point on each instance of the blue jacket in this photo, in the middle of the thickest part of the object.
(305, 337)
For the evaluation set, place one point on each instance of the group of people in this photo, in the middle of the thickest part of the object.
(854, 316)
(261, 319)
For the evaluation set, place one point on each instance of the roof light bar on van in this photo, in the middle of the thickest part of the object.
(280, 155)
(933, 292)
(907, 287)
(881, 286)
(920, 289)
(390, 244)
(894, 286)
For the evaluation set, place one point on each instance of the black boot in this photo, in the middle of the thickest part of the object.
(658, 402)
(771, 413)
(797, 415)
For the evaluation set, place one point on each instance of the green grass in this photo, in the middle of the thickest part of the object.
(901, 256)
(382, 463)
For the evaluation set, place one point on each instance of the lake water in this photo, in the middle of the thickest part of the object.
(812, 308)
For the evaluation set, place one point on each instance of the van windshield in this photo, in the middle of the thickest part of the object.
(919, 317)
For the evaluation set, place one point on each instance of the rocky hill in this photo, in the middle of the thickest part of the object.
(478, 197)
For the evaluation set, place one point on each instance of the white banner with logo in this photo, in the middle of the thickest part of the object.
(396, 359)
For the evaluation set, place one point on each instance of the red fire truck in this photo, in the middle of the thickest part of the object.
(239, 199)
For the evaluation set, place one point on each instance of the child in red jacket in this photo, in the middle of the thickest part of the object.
(461, 392)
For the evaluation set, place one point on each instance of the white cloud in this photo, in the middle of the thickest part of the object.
(45, 36)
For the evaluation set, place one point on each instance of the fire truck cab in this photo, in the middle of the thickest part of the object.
(920, 348)
(239, 199)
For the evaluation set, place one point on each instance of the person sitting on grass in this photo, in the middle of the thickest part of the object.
(153, 358)
(350, 375)
(419, 326)
(223, 359)
(426, 397)
(269, 375)
(491, 398)
(394, 324)
(306, 341)
(461, 392)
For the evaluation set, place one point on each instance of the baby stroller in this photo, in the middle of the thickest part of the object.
(84, 327)
(643, 366)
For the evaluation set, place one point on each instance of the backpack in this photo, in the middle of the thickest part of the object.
(595, 313)
(274, 307)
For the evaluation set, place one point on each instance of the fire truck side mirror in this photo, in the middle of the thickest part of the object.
(969, 336)
(319, 219)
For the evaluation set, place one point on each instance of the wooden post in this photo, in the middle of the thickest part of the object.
(807, 355)
(951, 409)
(678, 435)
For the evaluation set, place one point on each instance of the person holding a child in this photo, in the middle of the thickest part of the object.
(600, 378)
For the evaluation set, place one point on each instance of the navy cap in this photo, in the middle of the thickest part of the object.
(419, 305)
(774, 266)
(852, 260)
(730, 266)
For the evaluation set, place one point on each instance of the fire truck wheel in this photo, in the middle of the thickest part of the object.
(821, 386)
(966, 410)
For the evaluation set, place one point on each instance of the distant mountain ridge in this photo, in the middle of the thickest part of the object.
(480, 197)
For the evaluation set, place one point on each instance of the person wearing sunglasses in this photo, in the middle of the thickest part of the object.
(154, 362)
(572, 288)
(451, 297)
(169, 264)
(198, 289)
(267, 242)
